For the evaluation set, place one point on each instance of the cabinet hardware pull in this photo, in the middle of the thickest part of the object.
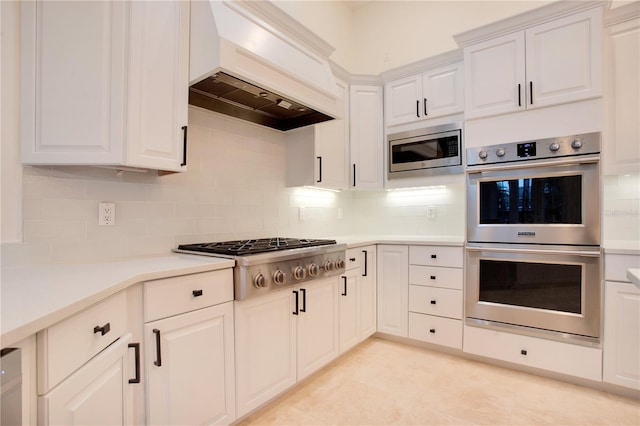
(365, 263)
(354, 175)
(319, 169)
(352, 259)
(433, 277)
(425, 107)
(434, 256)
(102, 330)
(304, 300)
(184, 146)
(418, 109)
(136, 348)
(197, 293)
(433, 302)
(531, 91)
(519, 95)
(432, 330)
(297, 310)
(158, 361)
(523, 352)
(344, 293)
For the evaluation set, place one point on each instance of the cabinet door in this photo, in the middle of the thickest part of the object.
(96, 394)
(366, 137)
(349, 294)
(622, 67)
(367, 293)
(73, 79)
(494, 76)
(403, 101)
(332, 147)
(265, 348)
(158, 84)
(442, 91)
(564, 60)
(190, 367)
(622, 335)
(393, 289)
(317, 329)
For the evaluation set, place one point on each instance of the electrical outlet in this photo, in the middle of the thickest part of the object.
(301, 214)
(106, 214)
(340, 213)
(431, 212)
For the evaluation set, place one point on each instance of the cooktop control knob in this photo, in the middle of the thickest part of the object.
(328, 266)
(259, 281)
(500, 152)
(339, 263)
(299, 273)
(278, 277)
(483, 155)
(313, 270)
(576, 144)
(554, 147)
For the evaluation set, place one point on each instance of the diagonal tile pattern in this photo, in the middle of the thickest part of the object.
(387, 383)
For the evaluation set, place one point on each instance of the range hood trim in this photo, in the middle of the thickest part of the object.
(227, 38)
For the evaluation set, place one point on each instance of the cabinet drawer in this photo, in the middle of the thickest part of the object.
(436, 277)
(436, 256)
(171, 296)
(616, 265)
(354, 258)
(443, 302)
(437, 330)
(67, 345)
(565, 358)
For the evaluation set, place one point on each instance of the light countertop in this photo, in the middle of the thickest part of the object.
(621, 247)
(37, 296)
(353, 241)
(634, 276)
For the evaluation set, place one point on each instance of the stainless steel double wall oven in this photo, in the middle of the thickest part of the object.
(533, 232)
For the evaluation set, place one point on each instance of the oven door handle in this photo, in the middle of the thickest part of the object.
(481, 168)
(583, 253)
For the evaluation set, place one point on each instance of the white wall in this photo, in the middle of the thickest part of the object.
(621, 202)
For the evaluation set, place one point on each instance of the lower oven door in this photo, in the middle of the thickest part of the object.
(537, 289)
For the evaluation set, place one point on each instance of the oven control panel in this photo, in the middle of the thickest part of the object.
(567, 146)
(254, 280)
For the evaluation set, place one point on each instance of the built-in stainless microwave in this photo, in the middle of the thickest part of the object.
(425, 152)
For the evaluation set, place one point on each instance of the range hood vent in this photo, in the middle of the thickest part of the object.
(251, 61)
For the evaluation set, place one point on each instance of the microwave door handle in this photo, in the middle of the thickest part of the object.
(583, 253)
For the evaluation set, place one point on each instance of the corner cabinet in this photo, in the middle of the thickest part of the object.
(549, 64)
(434, 93)
(105, 83)
(367, 137)
(318, 155)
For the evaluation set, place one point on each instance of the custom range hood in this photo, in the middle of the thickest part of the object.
(252, 61)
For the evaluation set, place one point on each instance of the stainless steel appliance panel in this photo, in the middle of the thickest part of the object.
(10, 387)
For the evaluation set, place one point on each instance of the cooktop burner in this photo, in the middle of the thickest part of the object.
(261, 245)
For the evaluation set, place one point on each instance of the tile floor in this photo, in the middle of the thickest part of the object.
(386, 383)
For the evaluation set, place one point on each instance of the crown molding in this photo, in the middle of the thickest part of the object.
(622, 14)
(441, 60)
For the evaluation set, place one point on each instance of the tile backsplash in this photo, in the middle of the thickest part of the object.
(234, 188)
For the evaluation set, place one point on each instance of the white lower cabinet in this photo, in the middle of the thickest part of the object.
(367, 294)
(283, 337)
(393, 289)
(565, 358)
(348, 308)
(189, 356)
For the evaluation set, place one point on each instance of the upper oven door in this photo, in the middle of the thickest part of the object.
(552, 204)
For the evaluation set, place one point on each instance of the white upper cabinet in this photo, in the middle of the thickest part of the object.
(318, 155)
(622, 68)
(105, 83)
(366, 137)
(430, 94)
(549, 64)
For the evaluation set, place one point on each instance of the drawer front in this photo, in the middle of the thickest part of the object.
(354, 258)
(565, 358)
(616, 265)
(436, 330)
(176, 295)
(436, 256)
(67, 345)
(443, 302)
(436, 277)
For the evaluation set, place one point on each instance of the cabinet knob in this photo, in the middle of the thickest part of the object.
(433, 302)
(523, 352)
(434, 256)
(432, 331)
(197, 293)
(433, 277)
(102, 330)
